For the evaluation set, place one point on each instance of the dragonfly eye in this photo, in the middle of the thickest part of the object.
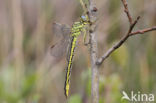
(83, 18)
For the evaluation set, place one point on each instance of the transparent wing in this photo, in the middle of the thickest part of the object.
(62, 32)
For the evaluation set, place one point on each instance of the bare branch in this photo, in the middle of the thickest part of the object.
(127, 11)
(143, 31)
(118, 44)
(124, 38)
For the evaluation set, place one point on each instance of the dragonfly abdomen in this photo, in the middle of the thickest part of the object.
(69, 67)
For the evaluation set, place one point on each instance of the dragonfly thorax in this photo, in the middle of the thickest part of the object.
(77, 28)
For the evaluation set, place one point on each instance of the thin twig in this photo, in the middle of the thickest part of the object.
(127, 11)
(143, 31)
(84, 6)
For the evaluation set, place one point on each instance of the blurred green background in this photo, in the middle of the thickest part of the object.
(29, 74)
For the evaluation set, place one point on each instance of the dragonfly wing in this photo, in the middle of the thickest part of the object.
(59, 49)
(63, 32)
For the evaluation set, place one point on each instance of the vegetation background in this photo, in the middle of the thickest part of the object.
(29, 74)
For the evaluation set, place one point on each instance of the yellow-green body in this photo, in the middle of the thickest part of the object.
(76, 30)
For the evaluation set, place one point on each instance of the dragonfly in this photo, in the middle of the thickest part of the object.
(70, 36)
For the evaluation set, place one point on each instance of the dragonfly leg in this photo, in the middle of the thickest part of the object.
(84, 37)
